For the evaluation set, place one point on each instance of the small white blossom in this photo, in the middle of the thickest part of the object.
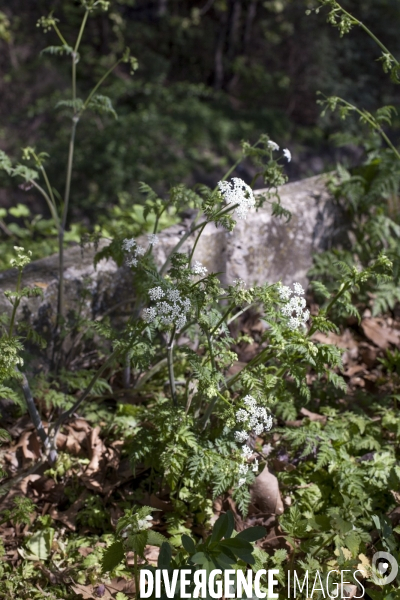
(132, 262)
(294, 323)
(241, 436)
(156, 293)
(253, 421)
(145, 523)
(128, 244)
(241, 481)
(246, 451)
(242, 415)
(180, 322)
(243, 468)
(284, 292)
(287, 154)
(255, 466)
(272, 145)
(238, 192)
(153, 239)
(298, 289)
(296, 304)
(258, 429)
(268, 423)
(198, 269)
(171, 312)
(261, 413)
(186, 304)
(250, 402)
(140, 250)
(163, 308)
(173, 295)
(149, 314)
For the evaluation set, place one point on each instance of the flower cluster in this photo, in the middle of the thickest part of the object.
(171, 308)
(23, 258)
(238, 192)
(198, 269)
(274, 147)
(141, 525)
(133, 250)
(295, 304)
(254, 418)
(131, 247)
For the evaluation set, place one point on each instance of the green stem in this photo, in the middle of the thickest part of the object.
(60, 309)
(99, 83)
(135, 571)
(170, 360)
(58, 32)
(50, 190)
(237, 315)
(49, 202)
(346, 286)
(372, 122)
(196, 242)
(222, 319)
(368, 31)
(325, 543)
(15, 305)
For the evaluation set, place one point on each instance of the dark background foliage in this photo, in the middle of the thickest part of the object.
(210, 74)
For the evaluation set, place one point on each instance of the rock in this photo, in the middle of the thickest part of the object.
(263, 248)
(260, 249)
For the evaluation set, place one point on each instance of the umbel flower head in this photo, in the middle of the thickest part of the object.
(295, 305)
(252, 418)
(171, 310)
(238, 192)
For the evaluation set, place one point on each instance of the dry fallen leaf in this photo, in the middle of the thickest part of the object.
(68, 517)
(345, 340)
(312, 415)
(381, 335)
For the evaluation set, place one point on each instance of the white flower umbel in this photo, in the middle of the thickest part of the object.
(287, 154)
(295, 305)
(246, 451)
(272, 145)
(141, 525)
(243, 468)
(153, 239)
(198, 269)
(130, 247)
(128, 244)
(171, 311)
(241, 436)
(255, 419)
(238, 192)
(156, 293)
(133, 251)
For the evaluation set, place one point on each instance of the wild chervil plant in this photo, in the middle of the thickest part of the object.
(197, 427)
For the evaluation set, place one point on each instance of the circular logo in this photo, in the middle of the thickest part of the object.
(380, 570)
